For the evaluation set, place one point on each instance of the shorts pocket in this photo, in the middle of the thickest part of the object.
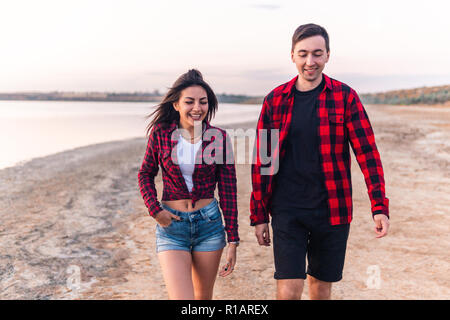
(166, 228)
(214, 214)
(174, 228)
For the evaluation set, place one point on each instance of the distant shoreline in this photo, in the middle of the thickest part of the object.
(113, 97)
(438, 95)
(105, 145)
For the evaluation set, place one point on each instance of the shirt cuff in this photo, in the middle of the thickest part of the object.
(382, 208)
(154, 210)
(232, 238)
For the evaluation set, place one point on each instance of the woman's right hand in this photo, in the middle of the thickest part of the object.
(164, 218)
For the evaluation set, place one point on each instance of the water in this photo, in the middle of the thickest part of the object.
(30, 129)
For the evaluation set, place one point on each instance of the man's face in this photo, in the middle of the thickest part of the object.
(310, 56)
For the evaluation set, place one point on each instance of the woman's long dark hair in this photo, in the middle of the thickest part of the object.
(166, 114)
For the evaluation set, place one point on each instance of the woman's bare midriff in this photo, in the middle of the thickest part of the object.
(186, 204)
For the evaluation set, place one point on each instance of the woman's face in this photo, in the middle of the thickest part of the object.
(192, 106)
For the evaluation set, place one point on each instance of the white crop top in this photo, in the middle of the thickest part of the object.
(186, 153)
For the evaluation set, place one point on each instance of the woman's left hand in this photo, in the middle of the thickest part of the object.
(231, 260)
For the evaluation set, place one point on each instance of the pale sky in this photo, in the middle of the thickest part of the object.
(241, 47)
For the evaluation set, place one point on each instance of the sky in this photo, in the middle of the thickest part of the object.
(241, 47)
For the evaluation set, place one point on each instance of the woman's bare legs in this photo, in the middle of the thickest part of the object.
(176, 267)
(188, 275)
(204, 272)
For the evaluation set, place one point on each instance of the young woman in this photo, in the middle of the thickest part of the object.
(193, 155)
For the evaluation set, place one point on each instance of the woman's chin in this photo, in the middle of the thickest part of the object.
(198, 121)
(191, 122)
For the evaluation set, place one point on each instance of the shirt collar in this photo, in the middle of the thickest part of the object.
(173, 125)
(291, 84)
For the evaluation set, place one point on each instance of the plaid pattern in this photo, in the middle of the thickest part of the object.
(342, 119)
(211, 168)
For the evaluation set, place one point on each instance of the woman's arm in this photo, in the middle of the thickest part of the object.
(147, 173)
(226, 182)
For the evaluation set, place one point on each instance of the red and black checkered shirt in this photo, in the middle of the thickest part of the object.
(342, 119)
(211, 168)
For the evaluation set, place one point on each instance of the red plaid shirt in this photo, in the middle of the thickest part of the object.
(210, 168)
(342, 119)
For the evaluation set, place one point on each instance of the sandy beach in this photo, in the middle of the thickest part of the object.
(74, 225)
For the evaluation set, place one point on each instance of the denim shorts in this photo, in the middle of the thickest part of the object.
(200, 230)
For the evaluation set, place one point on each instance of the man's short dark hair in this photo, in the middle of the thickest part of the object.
(310, 30)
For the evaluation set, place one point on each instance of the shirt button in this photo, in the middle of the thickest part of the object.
(192, 216)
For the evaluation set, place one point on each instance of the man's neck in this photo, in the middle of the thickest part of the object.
(304, 85)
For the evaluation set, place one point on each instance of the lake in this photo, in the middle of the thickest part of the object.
(30, 129)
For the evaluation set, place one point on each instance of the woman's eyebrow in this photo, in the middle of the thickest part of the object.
(194, 98)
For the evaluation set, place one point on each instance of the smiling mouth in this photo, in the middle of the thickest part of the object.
(196, 116)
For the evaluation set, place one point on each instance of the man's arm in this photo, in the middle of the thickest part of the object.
(259, 214)
(362, 141)
(258, 202)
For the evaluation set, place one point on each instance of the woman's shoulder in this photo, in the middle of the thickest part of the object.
(162, 128)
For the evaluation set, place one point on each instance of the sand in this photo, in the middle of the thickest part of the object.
(74, 226)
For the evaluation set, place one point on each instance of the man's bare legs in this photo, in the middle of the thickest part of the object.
(318, 290)
(289, 289)
(292, 289)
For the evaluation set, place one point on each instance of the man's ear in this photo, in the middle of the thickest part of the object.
(292, 56)
(328, 55)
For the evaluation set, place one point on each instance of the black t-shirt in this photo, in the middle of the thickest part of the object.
(299, 182)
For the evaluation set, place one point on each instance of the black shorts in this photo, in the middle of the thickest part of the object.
(298, 233)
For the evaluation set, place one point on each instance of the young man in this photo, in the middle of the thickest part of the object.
(310, 197)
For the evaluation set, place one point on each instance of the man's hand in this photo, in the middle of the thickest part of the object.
(381, 225)
(262, 234)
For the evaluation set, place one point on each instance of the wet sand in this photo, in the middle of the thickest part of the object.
(74, 225)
